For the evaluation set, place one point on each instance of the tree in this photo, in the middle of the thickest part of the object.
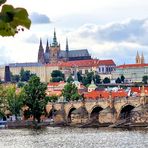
(57, 76)
(15, 78)
(70, 79)
(97, 79)
(25, 75)
(15, 100)
(88, 78)
(106, 80)
(3, 101)
(35, 98)
(12, 18)
(70, 92)
(145, 79)
(122, 78)
(79, 77)
(118, 80)
(53, 98)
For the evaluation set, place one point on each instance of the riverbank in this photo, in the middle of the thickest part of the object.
(30, 124)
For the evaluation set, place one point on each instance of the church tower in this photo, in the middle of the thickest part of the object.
(41, 53)
(47, 52)
(142, 58)
(138, 60)
(54, 50)
(67, 50)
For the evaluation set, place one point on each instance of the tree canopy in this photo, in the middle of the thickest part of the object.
(106, 80)
(15, 100)
(35, 98)
(70, 79)
(118, 80)
(12, 20)
(145, 79)
(57, 76)
(70, 92)
(3, 101)
(122, 78)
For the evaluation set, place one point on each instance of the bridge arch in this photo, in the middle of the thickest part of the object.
(69, 114)
(94, 114)
(51, 113)
(125, 111)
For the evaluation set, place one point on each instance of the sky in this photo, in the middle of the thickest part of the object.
(109, 29)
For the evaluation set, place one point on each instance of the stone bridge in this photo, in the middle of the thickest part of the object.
(104, 110)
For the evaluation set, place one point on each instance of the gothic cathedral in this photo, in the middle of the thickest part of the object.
(54, 54)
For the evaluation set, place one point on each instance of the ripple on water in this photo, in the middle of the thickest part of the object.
(73, 138)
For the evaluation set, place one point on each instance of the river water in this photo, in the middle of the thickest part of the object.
(58, 137)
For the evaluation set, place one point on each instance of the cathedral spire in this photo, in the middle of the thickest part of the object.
(67, 50)
(67, 47)
(47, 47)
(41, 53)
(137, 58)
(40, 46)
(55, 43)
(142, 58)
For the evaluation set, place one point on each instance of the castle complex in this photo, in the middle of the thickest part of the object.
(54, 54)
(132, 72)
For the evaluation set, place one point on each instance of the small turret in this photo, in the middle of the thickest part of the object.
(47, 47)
(67, 50)
(41, 53)
(138, 60)
(142, 58)
(67, 47)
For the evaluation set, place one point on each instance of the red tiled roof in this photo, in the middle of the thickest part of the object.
(138, 89)
(104, 94)
(80, 63)
(106, 62)
(54, 84)
(83, 63)
(132, 66)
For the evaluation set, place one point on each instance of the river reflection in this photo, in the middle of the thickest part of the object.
(73, 138)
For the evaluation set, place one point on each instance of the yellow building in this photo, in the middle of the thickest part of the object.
(42, 71)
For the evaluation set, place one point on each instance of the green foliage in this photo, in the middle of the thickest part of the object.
(70, 92)
(118, 80)
(12, 18)
(122, 78)
(56, 79)
(106, 80)
(25, 75)
(97, 79)
(89, 77)
(2, 2)
(79, 77)
(3, 100)
(35, 98)
(20, 84)
(85, 81)
(52, 98)
(15, 100)
(57, 76)
(15, 78)
(145, 79)
(70, 79)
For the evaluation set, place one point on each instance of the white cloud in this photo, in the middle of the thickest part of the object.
(37, 18)
(100, 26)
